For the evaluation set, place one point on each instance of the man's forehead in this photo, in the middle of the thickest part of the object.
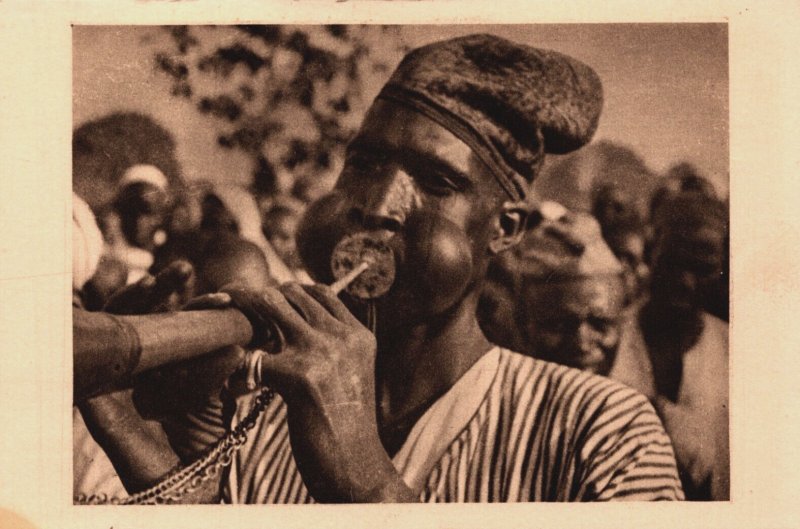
(697, 238)
(597, 295)
(391, 124)
(392, 130)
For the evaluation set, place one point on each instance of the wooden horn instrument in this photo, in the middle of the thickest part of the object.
(109, 349)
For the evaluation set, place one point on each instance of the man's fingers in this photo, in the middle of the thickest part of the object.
(154, 294)
(311, 310)
(145, 283)
(283, 314)
(132, 299)
(281, 372)
(325, 297)
(174, 279)
(267, 308)
(217, 300)
(178, 272)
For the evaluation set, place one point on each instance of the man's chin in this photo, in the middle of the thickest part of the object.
(597, 367)
(673, 304)
(681, 307)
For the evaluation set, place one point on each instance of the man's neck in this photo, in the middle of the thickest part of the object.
(418, 363)
(682, 327)
(669, 334)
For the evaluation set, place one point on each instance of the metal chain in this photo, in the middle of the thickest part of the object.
(184, 481)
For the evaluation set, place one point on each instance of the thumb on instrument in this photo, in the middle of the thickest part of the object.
(281, 372)
(217, 300)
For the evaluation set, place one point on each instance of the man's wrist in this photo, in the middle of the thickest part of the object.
(106, 412)
(385, 484)
(373, 476)
(394, 490)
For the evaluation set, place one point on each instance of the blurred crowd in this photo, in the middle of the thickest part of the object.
(152, 248)
(640, 297)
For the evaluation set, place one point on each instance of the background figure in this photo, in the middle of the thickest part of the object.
(568, 293)
(218, 211)
(280, 221)
(124, 166)
(225, 259)
(613, 172)
(244, 208)
(625, 232)
(92, 471)
(104, 149)
(136, 224)
(197, 214)
(110, 276)
(497, 312)
(716, 294)
(142, 205)
(627, 239)
(675, 352)
(215, 221)
(217, 217)
(187, 211)
(610, 204)
(87, 244)
(681, 178)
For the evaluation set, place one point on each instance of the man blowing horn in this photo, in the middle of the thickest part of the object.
(424, 407)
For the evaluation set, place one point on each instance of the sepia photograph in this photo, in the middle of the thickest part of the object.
(396, 263)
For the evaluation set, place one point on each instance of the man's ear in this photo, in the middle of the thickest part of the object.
(510, 225)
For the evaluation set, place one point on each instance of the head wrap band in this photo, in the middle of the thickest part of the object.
(509, 103)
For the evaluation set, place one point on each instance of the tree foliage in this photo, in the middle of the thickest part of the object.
(290, 97)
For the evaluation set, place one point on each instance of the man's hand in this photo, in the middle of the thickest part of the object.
(137, 448)
(184, 395)
(326, 375)
(187, 397)
(166, 291)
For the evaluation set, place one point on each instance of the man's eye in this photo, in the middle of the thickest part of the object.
(602, 325)
(437, 184)
(558, 325)
(362, 161)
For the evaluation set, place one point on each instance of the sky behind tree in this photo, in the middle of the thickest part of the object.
(666, 88)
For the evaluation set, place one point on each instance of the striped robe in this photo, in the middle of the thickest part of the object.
(513, 428)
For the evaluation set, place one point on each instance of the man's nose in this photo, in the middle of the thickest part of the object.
(386, 204)
(687, 280)
(586, 338)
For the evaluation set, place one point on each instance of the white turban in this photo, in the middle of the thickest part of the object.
(148, 174)
(87, 243)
